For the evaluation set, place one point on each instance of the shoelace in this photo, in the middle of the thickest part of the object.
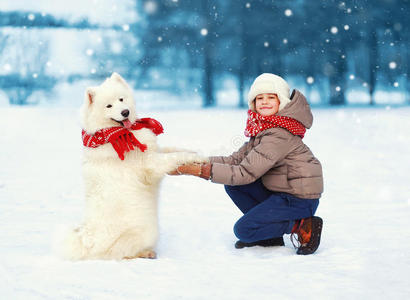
(295, 242)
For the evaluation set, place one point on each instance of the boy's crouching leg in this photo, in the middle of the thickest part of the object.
(247, 238)
(244, 231)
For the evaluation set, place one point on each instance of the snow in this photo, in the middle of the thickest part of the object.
(365, 207)
(288, 12)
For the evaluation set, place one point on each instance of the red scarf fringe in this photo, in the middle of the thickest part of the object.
(121, 139)
(257, 123)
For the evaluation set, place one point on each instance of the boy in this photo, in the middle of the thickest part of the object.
(274, 178)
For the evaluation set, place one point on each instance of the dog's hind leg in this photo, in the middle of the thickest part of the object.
(144, 254)
(133, 244)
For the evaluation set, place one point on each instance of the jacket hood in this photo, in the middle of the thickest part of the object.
(298, 109)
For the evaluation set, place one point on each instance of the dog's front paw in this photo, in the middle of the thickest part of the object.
(195, 158)
(151, 254)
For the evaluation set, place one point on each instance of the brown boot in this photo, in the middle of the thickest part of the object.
(308, 231)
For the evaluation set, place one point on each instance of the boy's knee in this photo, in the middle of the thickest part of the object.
(243, 231)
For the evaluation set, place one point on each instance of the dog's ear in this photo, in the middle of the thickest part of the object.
(89, 95)
(117, 77)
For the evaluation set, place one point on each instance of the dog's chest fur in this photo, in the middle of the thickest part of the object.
(106, 176)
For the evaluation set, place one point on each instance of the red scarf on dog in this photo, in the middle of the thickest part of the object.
(257, 123)
(121, 139)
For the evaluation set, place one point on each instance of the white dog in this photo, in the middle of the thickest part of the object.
(121, 193)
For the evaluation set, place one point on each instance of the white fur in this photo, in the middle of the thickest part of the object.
(121, 196)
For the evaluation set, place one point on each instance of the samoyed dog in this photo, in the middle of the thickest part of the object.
(120, 220)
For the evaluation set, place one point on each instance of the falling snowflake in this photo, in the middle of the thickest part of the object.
(204, 31)
(334, 30)
(310, 80)
(31, 17)
(396, 84)
(89, 52)
(116, 47)
(248, 5)
(351, 77)
(150, 7)
(338, 89)
(7, 67)
(159, 39)
(93, 71)
(285, 41)
(266, 44)
(35, 75)
(397, 26)
(392, 65)
(288, 12)
(126, 27)
(346, 27)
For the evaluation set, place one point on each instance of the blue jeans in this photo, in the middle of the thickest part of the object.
(267, 214)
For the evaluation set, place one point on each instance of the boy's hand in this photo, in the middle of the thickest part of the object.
(173, 172)
(190, 169)
(199, 170)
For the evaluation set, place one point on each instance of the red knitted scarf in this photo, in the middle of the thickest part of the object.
(257, 123)
(121, 139)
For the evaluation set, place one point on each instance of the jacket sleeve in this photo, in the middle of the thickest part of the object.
(233, 159)
(273, 147)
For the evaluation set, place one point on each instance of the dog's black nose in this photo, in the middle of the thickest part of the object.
(125, 113)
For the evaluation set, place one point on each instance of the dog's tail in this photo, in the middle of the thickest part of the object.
(70, 244)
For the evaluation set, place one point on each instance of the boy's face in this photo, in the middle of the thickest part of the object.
(267, 104)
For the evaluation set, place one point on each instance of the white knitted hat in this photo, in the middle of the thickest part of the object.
(269, 83)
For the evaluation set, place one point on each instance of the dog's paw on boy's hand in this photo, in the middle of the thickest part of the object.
(188, 169)
(174, 172)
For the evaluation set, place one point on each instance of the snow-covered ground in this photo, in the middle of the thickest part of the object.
(364, 252)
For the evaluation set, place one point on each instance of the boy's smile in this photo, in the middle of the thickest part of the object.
(267, 104)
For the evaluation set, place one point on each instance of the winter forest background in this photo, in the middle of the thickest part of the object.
(205, 53)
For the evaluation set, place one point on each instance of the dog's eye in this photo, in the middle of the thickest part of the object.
(109, 106)
(121, 99)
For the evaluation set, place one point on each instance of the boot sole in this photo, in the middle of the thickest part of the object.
(311, 247)
(240, 244)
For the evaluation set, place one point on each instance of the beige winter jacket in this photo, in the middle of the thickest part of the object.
(283, 161)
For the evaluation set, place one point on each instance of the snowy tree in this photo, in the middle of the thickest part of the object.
(177, 41)
(24, 58)
(381, 25)
(255, 29)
